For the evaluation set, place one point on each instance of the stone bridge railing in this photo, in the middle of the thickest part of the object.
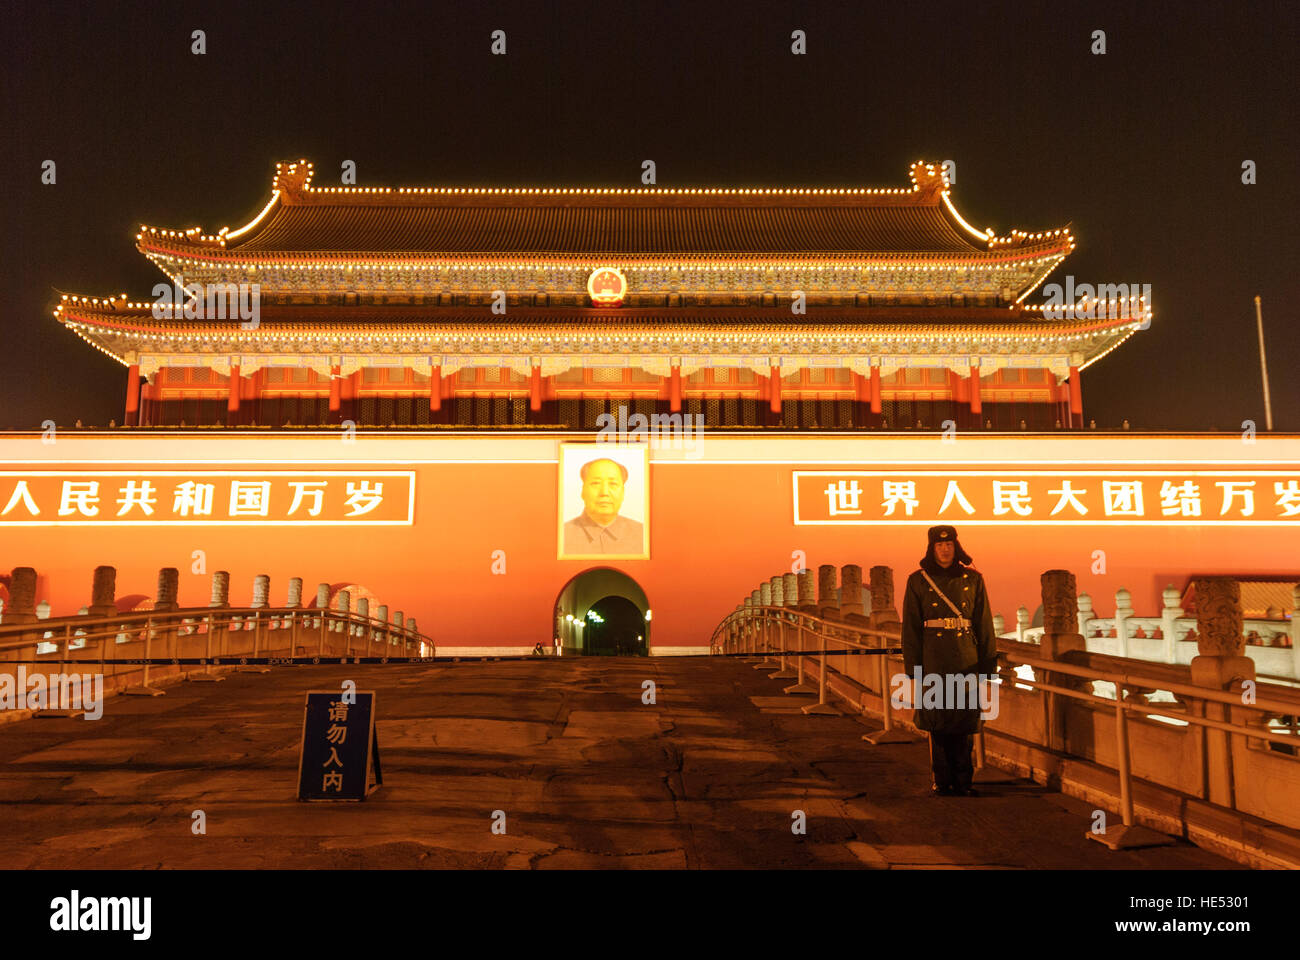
(30, 638)
(1202, 750)
(1273, 643)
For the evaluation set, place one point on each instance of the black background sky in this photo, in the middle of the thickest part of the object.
(1140, 150)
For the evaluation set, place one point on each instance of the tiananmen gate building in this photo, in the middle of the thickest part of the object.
(440, 367)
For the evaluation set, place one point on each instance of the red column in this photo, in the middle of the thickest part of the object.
(1076, 397)
(675, 390)
(775, 381)
(961, 391)
(232, 397)
(336, 388)
(132, 394)
(435, 387)
(535, 389)
(875, 390)
(975, 405)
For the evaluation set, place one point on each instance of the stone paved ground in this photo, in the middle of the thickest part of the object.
(588, 777)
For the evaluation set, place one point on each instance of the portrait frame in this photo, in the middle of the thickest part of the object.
(635, 458)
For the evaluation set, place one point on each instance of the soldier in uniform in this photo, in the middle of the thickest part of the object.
(942, 640)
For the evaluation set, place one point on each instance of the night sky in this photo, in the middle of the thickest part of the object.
(1139, 150)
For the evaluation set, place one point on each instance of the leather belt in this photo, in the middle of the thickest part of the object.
(948, 623)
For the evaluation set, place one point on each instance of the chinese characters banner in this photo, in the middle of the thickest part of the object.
(144, 497)
(1154, 497)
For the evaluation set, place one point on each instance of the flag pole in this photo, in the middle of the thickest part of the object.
(1263, 367)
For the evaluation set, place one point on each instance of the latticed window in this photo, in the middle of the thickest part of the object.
(913, 375)
(501, 411)
(731, 411)
(371, 375)
(301, 375)
(567, 408)
(607, 375)
(572, 375)
(749, 411)
(644, 406)
(712, 410)
(696, 378)
(808, 413)
(845, 413)
(369, 412)
(721, 375)
(591, 409)
(203, 374)
(467, 375)
(744, 375)
(518, 411)
(386, 412)
(693, 406)
(404, 410)
(482, 409)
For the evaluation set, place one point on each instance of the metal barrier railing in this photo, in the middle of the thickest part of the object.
(748, 631)
(273, 629)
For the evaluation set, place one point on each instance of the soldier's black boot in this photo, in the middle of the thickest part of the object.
(939, 768)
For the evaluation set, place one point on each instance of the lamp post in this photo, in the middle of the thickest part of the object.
(1263, 367)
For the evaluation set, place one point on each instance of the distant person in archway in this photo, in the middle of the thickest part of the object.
(600, 528)
(948, 629)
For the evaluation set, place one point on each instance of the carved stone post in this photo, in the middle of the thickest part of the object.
(22, 596)
(220, 590)
(168, 585)
(1123, 610)
(1221, 663)
(1169, 616)
(295, 592)
(806, 587)
(1086, 613)
(851, 591)
(882, 597)
(789, 590)
(999, 624)
(103, 591)
(261, 590)
(1022, 623)
(828, 600)
(1061, 641)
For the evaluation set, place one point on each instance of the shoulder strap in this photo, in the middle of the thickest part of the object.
(951, 605)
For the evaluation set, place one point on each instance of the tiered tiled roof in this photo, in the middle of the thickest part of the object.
(318, 224)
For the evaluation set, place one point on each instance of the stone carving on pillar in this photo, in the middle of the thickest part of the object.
(1060, 602)
(261, 590)
(168, 583)
(807, 590)
(851, 590)
(882, 596)
(295, 592)
(220, 589)
(1218, 617)
(765, 594)
(103, 591)
(827, 599)
(22, 596)
(789, 590)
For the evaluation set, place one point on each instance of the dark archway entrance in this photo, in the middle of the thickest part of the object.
(602, 612)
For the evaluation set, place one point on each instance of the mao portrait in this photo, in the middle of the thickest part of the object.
(603, 500)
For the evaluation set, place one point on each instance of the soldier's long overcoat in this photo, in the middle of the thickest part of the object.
(942, 651)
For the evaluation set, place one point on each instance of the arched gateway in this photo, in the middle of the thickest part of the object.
(602, 612)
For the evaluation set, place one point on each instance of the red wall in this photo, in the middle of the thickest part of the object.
(716, 530)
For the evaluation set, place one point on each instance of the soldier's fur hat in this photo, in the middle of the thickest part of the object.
(945, 534)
